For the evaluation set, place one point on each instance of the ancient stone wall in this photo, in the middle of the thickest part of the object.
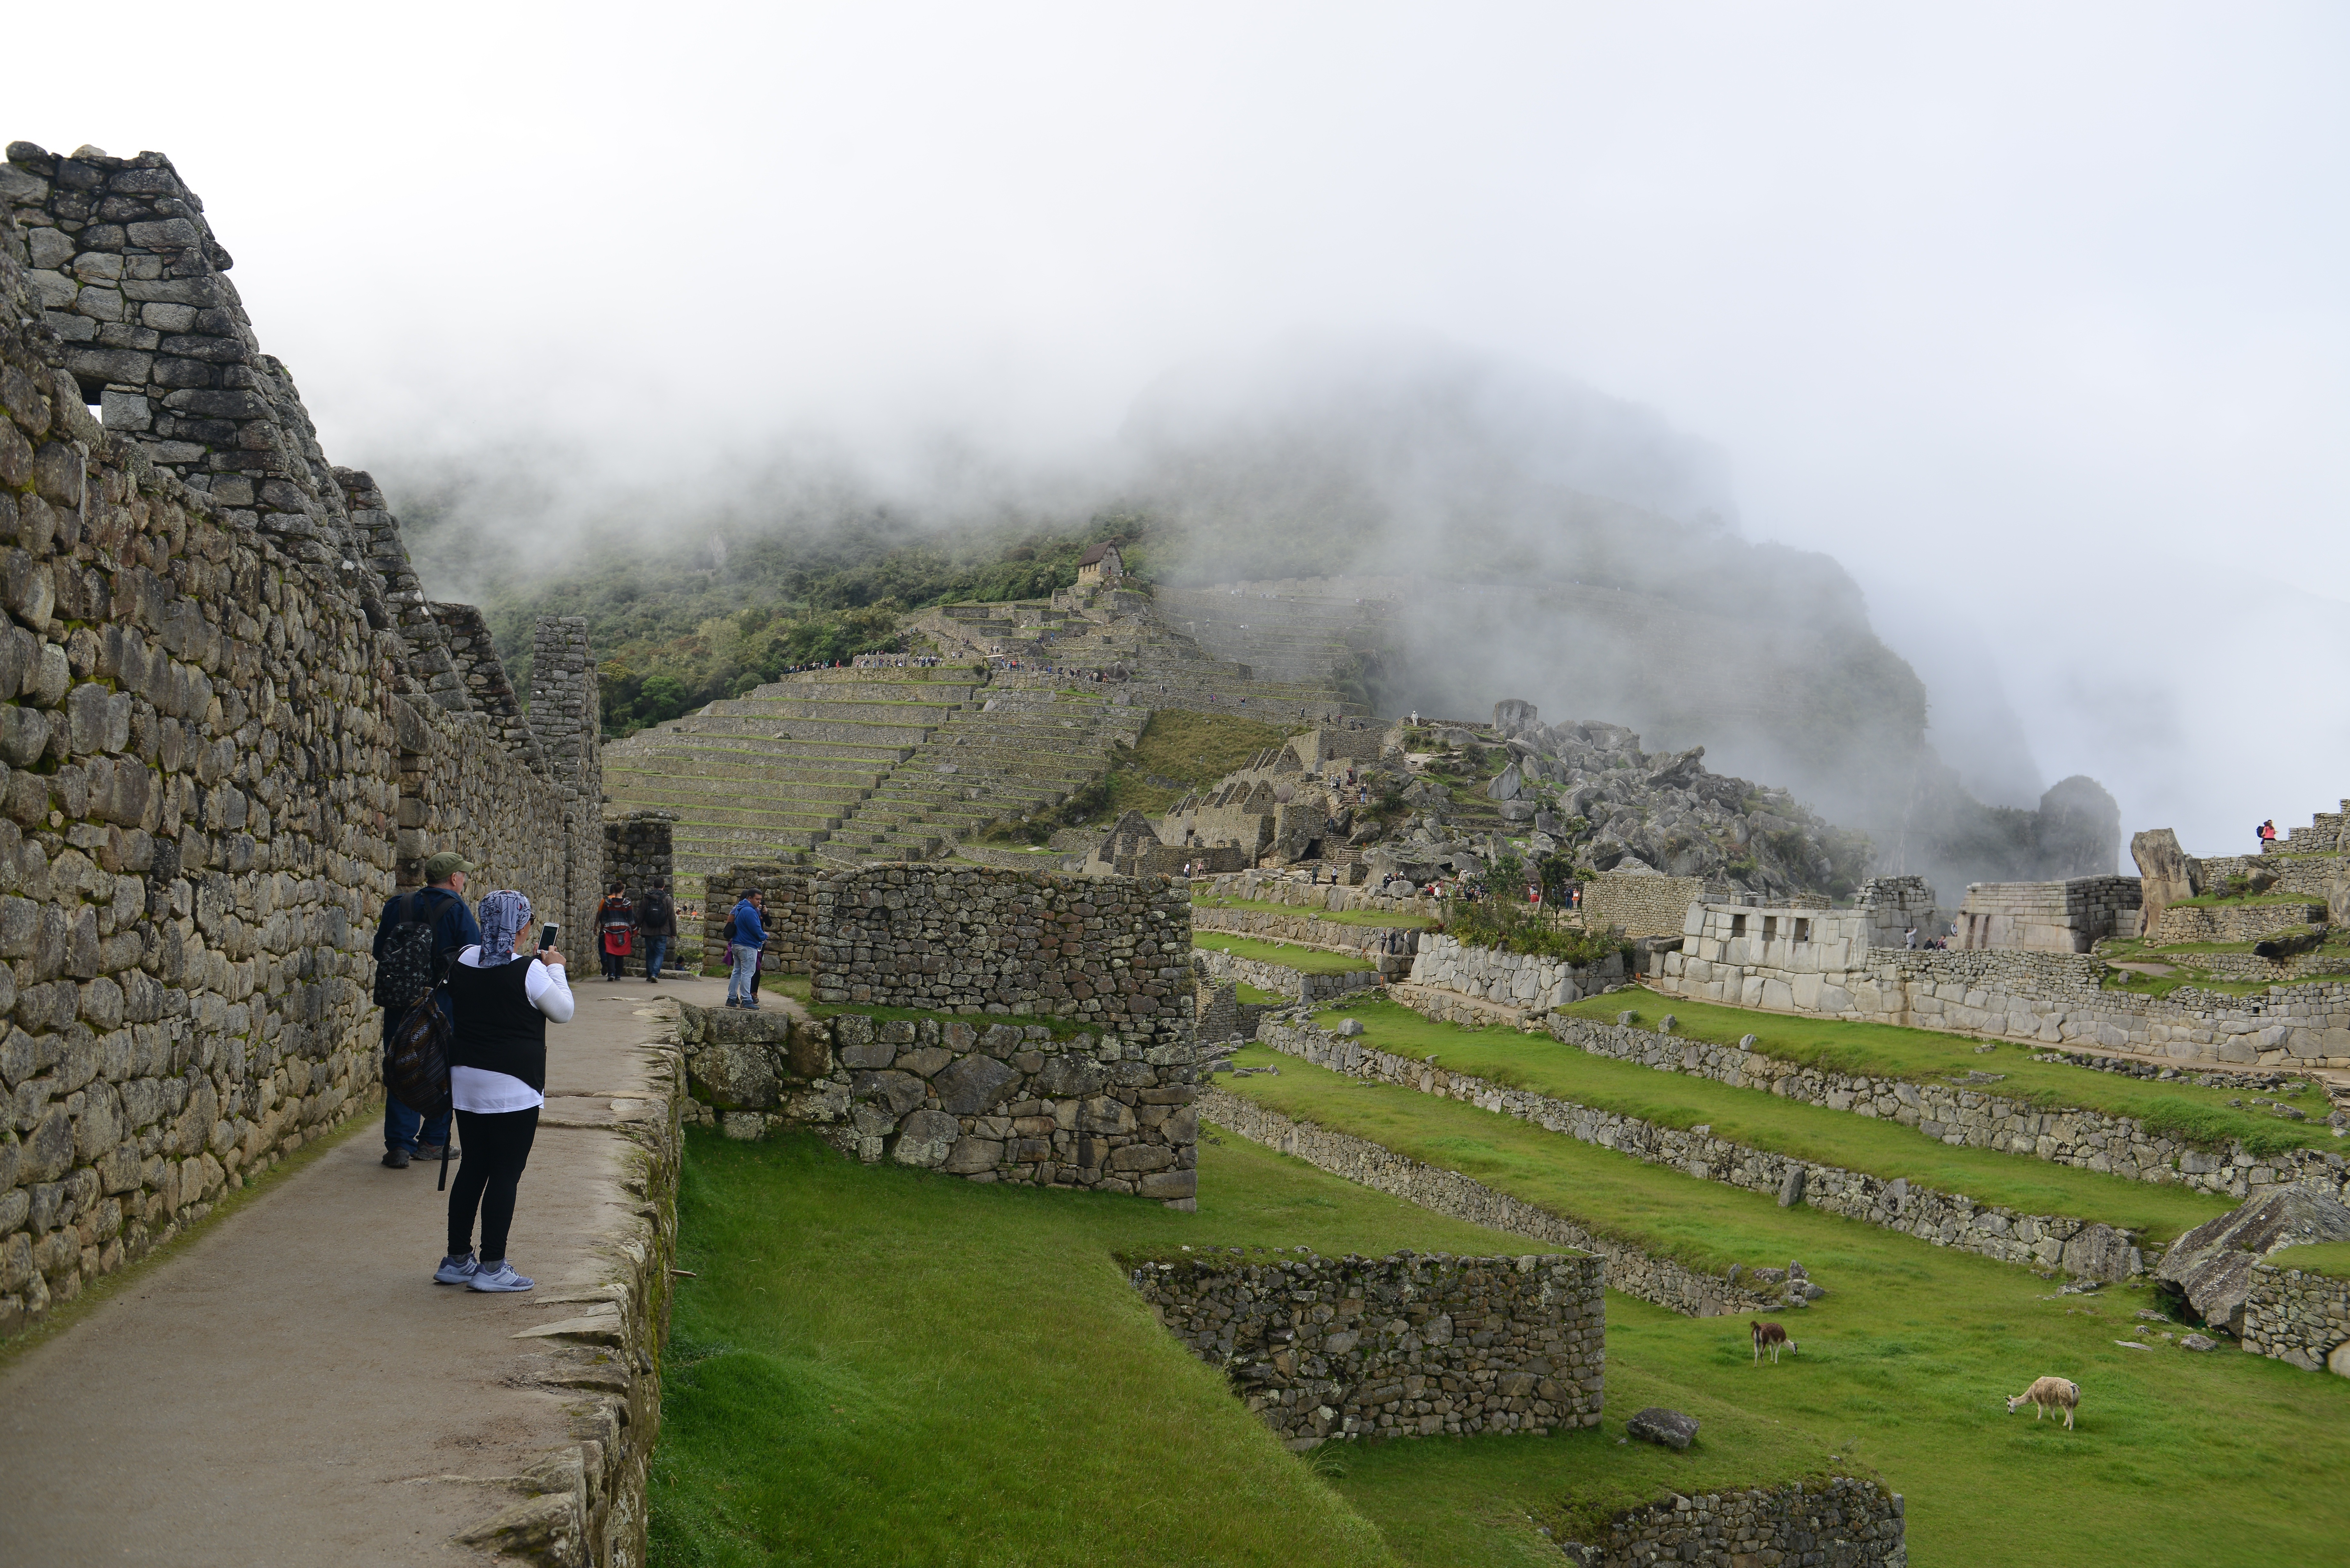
(993, 1101)
(1339, 1349)
(473, 657)
(789, 894)
(2049, 997)
(2294, 1315)
(1674, 1286)
(1512, 980)
(1298, 889)
(2067, 916)
(1977, 1118)
(1642, 906)
(1112, 952)
(1388, 948)
(1293, 986)
(1947, 1219)
(2234, 922)
(1846, 1523)
(566, 715)
(221, 747)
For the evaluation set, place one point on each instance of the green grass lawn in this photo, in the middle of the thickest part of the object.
(1376, 917)
(1762, 1120)
(2179, 1459)
(1310, 960)
(1925, 1055)
(2324, 1258)
(1256, 996)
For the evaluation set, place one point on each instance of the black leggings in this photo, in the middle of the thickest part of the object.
(496, 1148)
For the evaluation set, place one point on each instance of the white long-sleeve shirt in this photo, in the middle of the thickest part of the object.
(480, 1090)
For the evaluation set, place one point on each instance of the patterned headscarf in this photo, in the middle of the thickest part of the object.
(502, 914)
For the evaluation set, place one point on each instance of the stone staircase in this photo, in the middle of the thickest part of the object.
(2322, 837)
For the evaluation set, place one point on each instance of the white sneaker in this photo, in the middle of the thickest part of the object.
(497, 1276)
(449, 1273)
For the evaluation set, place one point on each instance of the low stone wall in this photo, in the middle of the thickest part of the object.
(2080, 1247)
(1674, 1286)
(1408, 1346)
(1451, 1007)
(1640, 906)
(1111, 952)
(2234, 922)
(1292, 984)
(1847, 1523)
(1298, 889)
(1223, 1016)
(2297, 1316)
(1976, 1118)
(1514, 979)
(1389, 948)
(2053, 998)
(991, 1102)
(789, 918)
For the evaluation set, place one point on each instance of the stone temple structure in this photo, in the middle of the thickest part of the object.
(231, 725)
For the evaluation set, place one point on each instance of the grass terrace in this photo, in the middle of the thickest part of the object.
(1759, 1119)
(2324, 1258)
(2182, 1110)
(1376, 917)
(1307, 960)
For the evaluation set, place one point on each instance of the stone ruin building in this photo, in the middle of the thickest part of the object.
(232, 723)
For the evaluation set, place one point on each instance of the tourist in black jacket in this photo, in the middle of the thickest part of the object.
(407, 1134)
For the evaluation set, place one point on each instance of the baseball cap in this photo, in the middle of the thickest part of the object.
(445, 865)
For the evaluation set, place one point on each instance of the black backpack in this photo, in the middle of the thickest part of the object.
(416, 1066)
(408, 971)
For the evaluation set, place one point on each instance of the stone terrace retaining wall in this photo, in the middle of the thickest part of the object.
(1846, 1524)
(790, 917)
(2053, 998)
(2297, 1316)
(1973, 1118)
(1674, 1286)
(2079, 1247)
(220, 749)
(1111, 952)
(2235, 922)
(1642, 906)
(991, 1102)
(1514, 979)
(1405, 1346)
(1298, 889)
(1296, 985)
(1390, 948)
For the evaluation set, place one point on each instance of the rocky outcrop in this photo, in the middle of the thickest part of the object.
(2211, 1265)
(2166, 877)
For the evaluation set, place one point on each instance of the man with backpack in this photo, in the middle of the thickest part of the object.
(747, 934)
(657, 923)
(419, 936)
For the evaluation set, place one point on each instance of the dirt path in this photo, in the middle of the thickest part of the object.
(290, 1388)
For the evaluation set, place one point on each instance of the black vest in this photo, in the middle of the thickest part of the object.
(496, 1028)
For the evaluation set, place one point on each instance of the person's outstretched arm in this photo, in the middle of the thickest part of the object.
(548, 988)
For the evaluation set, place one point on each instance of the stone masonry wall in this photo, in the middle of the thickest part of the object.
(219, 752)
(1846, 1523)
(637, 854)
(789, 894)
(1641, 906)
(1389, 948)
(2234, 922)
(1947, 1219)
(1109, 952)
(2294, 1315)
(1512, 980)
(1291, 985)
(1298, 889)
(1973, 1118)
(1328, 1349)
(2053, 998)
(993, 1101)
(1674, 1286)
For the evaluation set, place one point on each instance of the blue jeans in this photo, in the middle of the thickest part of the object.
(656, 948)
(402, 1127)
(738, 982)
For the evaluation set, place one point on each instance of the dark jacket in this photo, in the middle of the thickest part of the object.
(497, 1029)
(453, 926)
(657, 915)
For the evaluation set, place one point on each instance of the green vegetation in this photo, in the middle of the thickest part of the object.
(2331, 1258)
(1179, 751)
(1759, 1119)
(1377, 917)
(1514, 926)
(1309, 960)
(1244, 992)
(1924, 1055)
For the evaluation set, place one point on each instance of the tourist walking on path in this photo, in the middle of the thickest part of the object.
(497, 1076)
(615, 921)
(439, 906)
(657, 923)
(748, 936)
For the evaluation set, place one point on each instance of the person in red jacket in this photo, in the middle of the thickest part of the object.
(616, 927)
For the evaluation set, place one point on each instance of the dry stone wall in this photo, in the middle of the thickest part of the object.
(787, 891)
(1675, 1286)
(1292, 985)
(2293, 1315)
(222, 744)
(2234, 922)
(2079, 1247)
(1339, 1349)
(1511, 980)
(1110, 951)
(1976, 1118)
(1846, 1523)
(1298, 889)
(991, 1102)
(1640, 905)
(1388, 947)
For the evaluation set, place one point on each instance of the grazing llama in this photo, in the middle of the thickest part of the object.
(2048, 1394)
(1772, 1338)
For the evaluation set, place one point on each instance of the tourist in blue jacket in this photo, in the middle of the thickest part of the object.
(748, 936)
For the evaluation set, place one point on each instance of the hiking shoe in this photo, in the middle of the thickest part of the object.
(396, 1157)
(751, 1004)
(497, 1276)
(732, 1003)
(456, 1273)
(432, 1151)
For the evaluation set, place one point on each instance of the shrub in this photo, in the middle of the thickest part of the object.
(1513, 927)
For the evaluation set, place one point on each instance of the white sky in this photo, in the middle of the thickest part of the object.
(2033, 316)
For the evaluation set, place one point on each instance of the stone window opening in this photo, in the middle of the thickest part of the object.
(1737, 925)
(1803, 930)
(1770, 927)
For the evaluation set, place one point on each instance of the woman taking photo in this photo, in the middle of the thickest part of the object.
(497, 1076)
